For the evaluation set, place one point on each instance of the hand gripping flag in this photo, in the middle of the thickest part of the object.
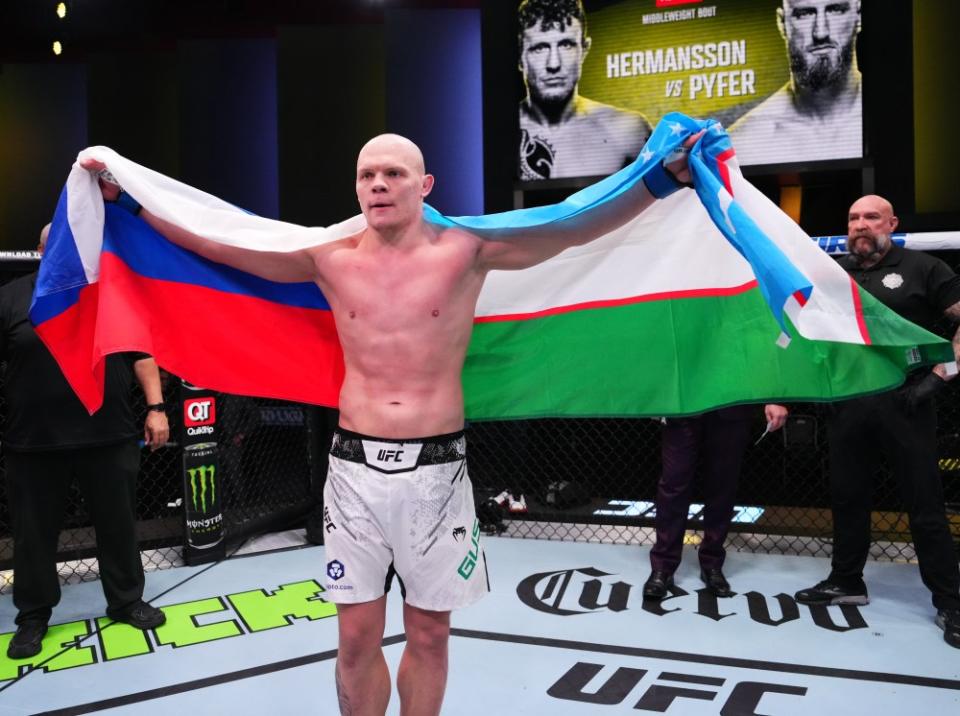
(708, 298)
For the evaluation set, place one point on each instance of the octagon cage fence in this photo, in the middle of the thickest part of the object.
(590, 480)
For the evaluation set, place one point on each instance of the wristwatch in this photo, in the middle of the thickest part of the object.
(159, 407)
(127, 202)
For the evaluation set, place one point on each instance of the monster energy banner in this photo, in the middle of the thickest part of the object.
(202, 483)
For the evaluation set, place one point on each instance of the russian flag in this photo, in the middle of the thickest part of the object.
(109, 283)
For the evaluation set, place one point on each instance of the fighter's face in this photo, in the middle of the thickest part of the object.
(550, 61)
(390, 187)
(870, 222)
(820, 36)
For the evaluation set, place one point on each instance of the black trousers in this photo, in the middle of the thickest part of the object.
(862, 430)
(717, 440)
(38, 487)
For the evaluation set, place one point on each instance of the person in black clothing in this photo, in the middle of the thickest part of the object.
(49, 439)
(717, 440)
(902, 423)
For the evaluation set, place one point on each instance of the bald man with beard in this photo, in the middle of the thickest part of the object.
(818, 113)
(900, 424)
(397, 499)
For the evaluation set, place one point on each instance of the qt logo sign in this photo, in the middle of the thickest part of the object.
(199, 411)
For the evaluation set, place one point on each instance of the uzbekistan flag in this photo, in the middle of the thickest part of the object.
(708, 298)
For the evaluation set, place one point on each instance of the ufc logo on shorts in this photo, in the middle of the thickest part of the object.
(199, 411)
(389, 455)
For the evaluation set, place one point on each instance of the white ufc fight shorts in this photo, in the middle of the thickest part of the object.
(402, 507)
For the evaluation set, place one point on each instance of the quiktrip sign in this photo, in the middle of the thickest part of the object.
(202, 480)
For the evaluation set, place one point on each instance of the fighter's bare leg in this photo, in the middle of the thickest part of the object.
(363, 680)
(422, 676)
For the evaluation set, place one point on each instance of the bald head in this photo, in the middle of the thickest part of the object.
(395, 146)
(44, 234)
(870, 222)
(392, 184)
(874, 203)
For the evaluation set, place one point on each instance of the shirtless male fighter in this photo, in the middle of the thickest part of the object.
(403, 293)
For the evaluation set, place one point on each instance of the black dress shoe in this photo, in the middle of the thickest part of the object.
(828, 593)
(27, 641)
(949, 621)
(716, 583)
(140, 615)
(657, 585)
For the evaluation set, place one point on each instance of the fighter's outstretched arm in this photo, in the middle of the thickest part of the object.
(284, 267)
(521, 248)
(953, 313)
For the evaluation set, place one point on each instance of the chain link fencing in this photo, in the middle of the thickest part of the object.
(270, 461)
(596, 480)
(267, 482)
(582, 479)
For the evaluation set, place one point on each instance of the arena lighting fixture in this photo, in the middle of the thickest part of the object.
(57, 47)
(61, 10)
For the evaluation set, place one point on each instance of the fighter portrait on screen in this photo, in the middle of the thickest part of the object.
(564, 134)
(817, 115)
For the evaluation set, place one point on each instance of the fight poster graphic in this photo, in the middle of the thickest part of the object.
(780, 75)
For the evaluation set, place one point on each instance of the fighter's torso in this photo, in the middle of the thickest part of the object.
(776, 131)
(595, 141)
(404, 317)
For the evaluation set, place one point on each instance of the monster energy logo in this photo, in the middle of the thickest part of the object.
(202, 481)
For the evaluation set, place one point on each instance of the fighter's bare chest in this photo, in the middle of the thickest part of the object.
(404, 286)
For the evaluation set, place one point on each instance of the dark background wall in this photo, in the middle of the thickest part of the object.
(434, 96)
(228, 118)
(325, 115)
(936, 104)
(267, 104)
(43, 123)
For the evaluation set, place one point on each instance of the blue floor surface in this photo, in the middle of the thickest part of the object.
(564, 631)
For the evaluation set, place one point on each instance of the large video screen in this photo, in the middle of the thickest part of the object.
(780, 75)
